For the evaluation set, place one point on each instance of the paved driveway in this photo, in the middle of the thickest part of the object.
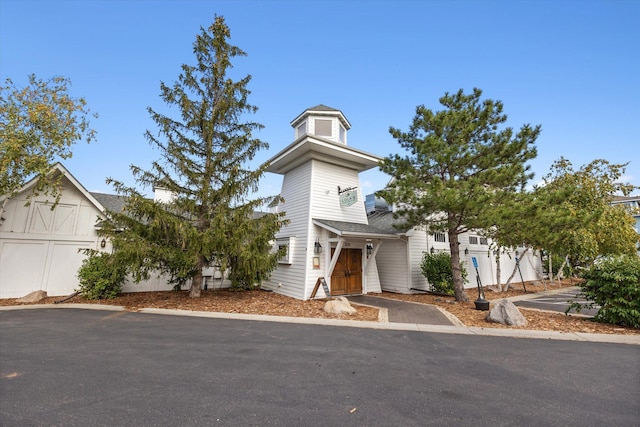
(557, 301)
(407, 312)
(71, 367)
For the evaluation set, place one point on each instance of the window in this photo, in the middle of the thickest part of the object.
(284, 243)
(323, 127)
(301, 129)
(439, 237)
(473, 240)
(483, 241)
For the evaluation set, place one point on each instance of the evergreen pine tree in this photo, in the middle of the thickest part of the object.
(204, 156)
(460, 166)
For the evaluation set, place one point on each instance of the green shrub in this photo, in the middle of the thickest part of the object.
(613, 284)
(101, 276)
(437, 269)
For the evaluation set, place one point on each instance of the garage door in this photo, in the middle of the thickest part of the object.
(30, 265)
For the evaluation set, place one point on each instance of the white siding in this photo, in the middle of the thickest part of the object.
(324, 203)
(486, 268)
(325, 198)
(372, 279)
(39, 247)
(417, 246)
(288, 279)
(311, 191)
(392, 266)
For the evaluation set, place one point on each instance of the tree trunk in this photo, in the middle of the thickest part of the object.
(560, 274)
(196, 283)
(2, 208)
(498, 269)
(515, 270)
(458, 284)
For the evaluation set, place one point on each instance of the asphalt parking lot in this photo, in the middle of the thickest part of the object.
(73, 367)
(557, 301)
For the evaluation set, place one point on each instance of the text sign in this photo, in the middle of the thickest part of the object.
(348, 196)
(474, 261)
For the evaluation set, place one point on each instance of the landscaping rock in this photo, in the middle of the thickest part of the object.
(339, 305)
(33, 297)
(506, 313)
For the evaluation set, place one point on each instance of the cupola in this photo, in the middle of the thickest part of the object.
(322, 121)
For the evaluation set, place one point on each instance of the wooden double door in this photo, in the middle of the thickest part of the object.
(346, 278)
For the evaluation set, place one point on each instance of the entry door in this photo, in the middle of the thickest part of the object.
(347, 275)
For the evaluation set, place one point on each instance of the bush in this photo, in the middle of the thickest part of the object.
(437, 269)
(101, 276)
(614, 284)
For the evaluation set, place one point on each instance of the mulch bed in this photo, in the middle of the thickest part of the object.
(269, 303)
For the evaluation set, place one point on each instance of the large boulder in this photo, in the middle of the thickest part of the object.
(338, 305)
(33, 297)
(506, 313)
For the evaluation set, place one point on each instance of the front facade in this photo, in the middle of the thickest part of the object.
(331, 234)
(328, 235)
(399, 261)
(40, 246)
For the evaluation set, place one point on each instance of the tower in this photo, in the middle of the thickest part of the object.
(328, 234)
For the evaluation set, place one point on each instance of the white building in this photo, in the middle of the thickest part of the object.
(329, 234)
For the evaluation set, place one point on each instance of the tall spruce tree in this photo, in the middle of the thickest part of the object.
(461, 164)
(205, 152)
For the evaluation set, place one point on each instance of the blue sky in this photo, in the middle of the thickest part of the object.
(571, 66)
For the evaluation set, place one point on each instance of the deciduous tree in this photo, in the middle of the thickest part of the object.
(461, 164)
(579, 219)
(39, 123)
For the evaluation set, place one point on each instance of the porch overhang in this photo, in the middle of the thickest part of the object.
(356, 230)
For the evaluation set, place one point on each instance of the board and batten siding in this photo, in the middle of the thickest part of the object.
(392, 266)
(287, 279)
(417, 244)
(39, 247)
(372, 279)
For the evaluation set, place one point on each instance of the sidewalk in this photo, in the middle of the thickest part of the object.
(408, 312)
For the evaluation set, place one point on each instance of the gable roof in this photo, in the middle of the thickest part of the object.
(111, 202)
(58, 168)
(322, 110)
(385, 221)
(353, 229)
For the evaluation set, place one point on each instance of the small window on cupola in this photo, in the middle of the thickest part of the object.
(301, 129)
(323, 127)
(343, 134)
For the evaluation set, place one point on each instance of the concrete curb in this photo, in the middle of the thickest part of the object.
(103, 307)
(542, 294)
(494, 332)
